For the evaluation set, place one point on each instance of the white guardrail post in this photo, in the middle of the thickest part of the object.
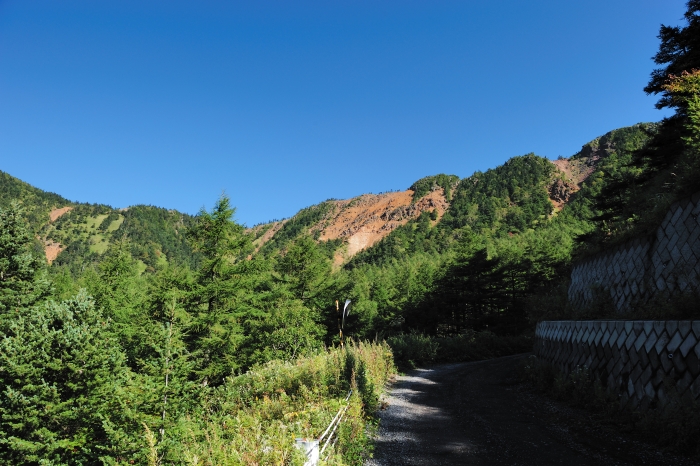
(310, 446)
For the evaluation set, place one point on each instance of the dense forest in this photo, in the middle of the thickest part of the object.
(156, 337)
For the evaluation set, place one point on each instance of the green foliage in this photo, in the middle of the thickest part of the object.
(417, 236)
(679, 51)
(61, 374)
(665, 168)
(601, 197)
(510, 198)
(154, 232)
(305, 268)
(298, 224)
(21, 283)
(107, 222)
(196, 349)
(288, 331)
(86, 230)
(36, 203)
(414, 349)
(254, 418)
(382, 295)
(423, 186)
(329, 247)
(219, 285)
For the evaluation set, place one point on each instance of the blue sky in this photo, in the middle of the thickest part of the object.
(285, 104)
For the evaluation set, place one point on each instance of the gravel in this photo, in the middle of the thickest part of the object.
(481, 414)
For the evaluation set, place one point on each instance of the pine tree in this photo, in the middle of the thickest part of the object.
(679, 51)
(165, 363)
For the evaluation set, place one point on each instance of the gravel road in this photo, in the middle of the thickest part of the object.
(481, 414)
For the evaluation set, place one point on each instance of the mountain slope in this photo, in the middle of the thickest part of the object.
(353, 225)
(72, 233)
(37, 204)
(506, 200)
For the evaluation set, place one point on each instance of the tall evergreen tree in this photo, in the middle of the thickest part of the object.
(679, 51)
(165, 363)
(305, 269)
(22, 280)
(216, 331)
(61, 374)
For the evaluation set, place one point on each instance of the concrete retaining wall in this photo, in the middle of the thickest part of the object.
(668, 262)
(632, 358)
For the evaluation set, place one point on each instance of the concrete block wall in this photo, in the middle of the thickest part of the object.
(667, 262)
(631, 358)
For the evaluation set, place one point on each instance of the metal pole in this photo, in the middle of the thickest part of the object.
(340, 327)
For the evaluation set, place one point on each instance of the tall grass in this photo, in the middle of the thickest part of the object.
(254, 418)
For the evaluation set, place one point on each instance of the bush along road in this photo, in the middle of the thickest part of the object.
(481, 413)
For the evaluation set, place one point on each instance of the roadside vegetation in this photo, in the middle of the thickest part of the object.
(413, 349)
(224, 364)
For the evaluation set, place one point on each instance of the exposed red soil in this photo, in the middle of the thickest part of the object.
(362, 221)
(52, 250)
(572, 173)
(366, 219)
(267, 235)
(55, 213)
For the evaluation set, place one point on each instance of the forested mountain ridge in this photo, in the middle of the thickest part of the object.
(511, 197)
(37, 203)
(73, 234)
(346, 227)
(507, 199)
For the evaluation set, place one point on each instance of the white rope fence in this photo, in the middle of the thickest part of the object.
(311, 446)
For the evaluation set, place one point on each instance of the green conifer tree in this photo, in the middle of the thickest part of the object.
(61, 374)
(22, 279)
(305, 269)
(216, 332)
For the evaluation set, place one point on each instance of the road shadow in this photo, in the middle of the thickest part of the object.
(481, 414)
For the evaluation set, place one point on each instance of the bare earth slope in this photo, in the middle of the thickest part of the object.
(51, 248)
(364, 220)
(479, 414)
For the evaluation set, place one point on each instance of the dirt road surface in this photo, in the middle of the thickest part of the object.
(481, 414)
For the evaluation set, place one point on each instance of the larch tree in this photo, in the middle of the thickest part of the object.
(220, 282)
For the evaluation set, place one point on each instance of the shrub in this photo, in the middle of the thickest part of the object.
(415, 349)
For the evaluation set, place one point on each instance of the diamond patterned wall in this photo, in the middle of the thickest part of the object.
(632, 358)
(669, 262)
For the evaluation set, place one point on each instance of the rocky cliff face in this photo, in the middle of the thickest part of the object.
(560, 191)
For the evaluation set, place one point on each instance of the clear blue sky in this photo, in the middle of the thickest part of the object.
(285, 104)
